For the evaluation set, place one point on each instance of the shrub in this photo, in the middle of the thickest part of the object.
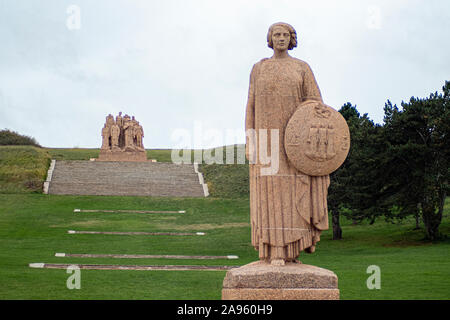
(8, 138)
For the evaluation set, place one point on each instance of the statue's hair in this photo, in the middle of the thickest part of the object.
(293, 40)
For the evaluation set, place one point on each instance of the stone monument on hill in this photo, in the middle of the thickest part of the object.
(122, 140)
(288, 206)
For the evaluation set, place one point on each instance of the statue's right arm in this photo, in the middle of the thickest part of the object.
(250, 111)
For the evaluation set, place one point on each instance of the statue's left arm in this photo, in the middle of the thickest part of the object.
(310, 88)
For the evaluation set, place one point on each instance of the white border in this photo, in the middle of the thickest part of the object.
(201, 180)
(49, 176)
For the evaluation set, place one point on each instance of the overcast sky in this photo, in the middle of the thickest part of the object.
(185, 64)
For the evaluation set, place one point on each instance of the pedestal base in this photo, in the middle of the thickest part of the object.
(293, 281)
(280, 294)
(108, 155)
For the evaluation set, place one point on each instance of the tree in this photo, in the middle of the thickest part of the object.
(339, 180)
(352, 185)
(8, 137)
(416, 160)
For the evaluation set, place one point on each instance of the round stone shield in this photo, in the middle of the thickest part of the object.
(317, 139)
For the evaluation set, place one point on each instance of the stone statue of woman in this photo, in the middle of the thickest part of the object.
(288, 209)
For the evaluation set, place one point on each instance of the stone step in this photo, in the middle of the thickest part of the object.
(166, 190)
(117, 176)
(125, 178)
(127, 166)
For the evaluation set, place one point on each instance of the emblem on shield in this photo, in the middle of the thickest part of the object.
(317, 139)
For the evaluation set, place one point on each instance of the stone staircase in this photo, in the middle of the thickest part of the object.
(125, 179)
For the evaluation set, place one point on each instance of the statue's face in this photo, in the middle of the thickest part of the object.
(280, 38)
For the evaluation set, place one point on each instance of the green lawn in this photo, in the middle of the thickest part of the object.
(33, 228)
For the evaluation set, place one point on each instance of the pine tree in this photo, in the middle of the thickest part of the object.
(352, 185)
(416, 160)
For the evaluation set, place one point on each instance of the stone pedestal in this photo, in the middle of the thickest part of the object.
(292, 281)
(108, 155)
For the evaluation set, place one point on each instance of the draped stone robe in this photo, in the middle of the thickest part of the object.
(288, 209)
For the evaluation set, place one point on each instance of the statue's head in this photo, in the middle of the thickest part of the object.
(280, 28)
(109, 120)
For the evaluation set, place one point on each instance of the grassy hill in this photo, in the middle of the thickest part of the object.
(23, 169)
(227, 180)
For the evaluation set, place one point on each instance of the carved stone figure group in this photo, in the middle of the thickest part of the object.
(122, 134)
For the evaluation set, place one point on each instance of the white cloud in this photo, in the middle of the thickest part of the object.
(171, 63)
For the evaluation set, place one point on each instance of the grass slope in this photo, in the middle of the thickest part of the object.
(227, 180)
(23, 169)
(33, 227)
